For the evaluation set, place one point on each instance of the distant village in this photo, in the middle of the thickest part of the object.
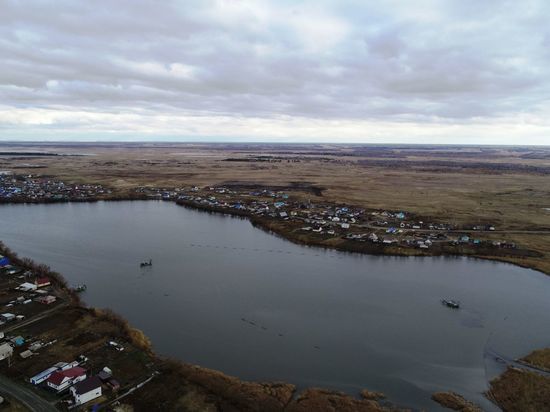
(30, 188)
(321, 219)
(326, 220)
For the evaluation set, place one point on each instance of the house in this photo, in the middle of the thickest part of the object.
(18, 341)
(4, 261)
(46, 300)
(104, 376)
(42, 376)
(41, 282)
(6, 351)
(12, 270)
(7, 317)
(345, 225)
(114, 384)
(64, 365)
(61, 380)
(86, 390)
(26, 287)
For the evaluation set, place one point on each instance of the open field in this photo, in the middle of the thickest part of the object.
(507, 187)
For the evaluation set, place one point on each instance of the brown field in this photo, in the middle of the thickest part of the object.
(508, 187)
(521, 391)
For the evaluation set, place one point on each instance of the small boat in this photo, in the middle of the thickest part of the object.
(144, 264)
(80, 288)
(453, 304)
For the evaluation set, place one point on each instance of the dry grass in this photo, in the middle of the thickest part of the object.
(539, 358)
(520, 391)
(455, 402)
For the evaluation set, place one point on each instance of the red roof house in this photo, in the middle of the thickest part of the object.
(64, 378)
(41, 282)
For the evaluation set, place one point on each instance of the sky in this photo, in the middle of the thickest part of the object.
(428, 71)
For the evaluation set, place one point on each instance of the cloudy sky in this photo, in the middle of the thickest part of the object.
(426, 71)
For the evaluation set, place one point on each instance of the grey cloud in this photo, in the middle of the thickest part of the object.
(452, 61)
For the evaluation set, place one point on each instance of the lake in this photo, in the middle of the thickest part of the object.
(312, 317)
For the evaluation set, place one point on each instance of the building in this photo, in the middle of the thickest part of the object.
(113, 384)
(4, 261)
(86, 390)
(61, 380)
(6, 351)
(18, 341)
(42, 376)
(46, 300)
(41, 282)
(27, 287)
(8, 317)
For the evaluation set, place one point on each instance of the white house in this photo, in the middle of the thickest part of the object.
(6, 351)
(27, 287)
(86, 390)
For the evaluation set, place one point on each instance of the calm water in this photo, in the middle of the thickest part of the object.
(347, 321)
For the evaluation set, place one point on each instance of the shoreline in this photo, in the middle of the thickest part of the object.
(230, 390)
(349, 247)
(281, 395)
(277, 228)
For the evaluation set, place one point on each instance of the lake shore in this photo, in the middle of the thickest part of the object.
(222, 387)
(525, 258)
(289, 232)
(174, 384)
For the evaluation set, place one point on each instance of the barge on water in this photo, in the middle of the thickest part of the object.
(450, 303)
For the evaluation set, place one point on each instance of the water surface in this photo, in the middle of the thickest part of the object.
(311, 317)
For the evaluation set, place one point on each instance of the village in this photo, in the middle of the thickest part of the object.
(98, 364)
(31, 188)
(65, 371)
(325, 220)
